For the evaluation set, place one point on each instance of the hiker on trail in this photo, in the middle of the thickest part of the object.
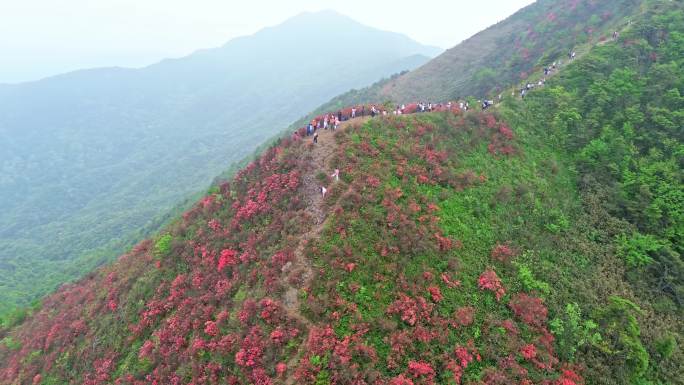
(553, 65)
(373, 111)
(572, 56)
(309, 129)
(336, 175)
(616, 35)
(337, 123)
(315, 137)
(325, 122)
(353, 113)
(323, 191)
(363, 110)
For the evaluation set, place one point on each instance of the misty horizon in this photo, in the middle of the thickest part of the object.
(107, 47)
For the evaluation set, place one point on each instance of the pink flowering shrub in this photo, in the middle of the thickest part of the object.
(502, 252)
(435, 293)
(464, 316)
(227, 258)
(422, 370)
(410, 310)
(528, 352)
(401, 380)
(211, 329)
(530, 310)
(490, 281)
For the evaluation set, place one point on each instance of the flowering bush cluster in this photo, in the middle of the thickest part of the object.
(502, 252)
(490, 281)
(407, 292)
(388, 303)
(187, 306)
(501, 139)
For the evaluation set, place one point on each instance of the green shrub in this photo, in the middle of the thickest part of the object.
(163, 245)
(623, 339)
(530, 283)
(665, 346)
(10, 343)
(636, 248)
(573, 332)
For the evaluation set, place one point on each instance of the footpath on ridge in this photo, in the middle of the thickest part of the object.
(318, 160)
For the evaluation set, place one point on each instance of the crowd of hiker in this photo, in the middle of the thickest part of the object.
(548, 71)
(331, 121)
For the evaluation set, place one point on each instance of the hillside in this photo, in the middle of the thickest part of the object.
(538, 242)
(87, 157)
(504, 54)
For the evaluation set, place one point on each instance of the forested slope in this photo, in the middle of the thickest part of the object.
(504, 54)
(87, 157)
(538, 242)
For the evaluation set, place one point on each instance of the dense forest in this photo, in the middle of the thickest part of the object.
(537, 242)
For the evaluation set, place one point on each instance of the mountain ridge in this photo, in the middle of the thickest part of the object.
(474, 66)
(135, 125)
(329, 16)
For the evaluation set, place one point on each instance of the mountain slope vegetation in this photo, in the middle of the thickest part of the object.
(87, 156)
(538, 242)
(504, 54)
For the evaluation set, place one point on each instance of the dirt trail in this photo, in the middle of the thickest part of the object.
(318, 159)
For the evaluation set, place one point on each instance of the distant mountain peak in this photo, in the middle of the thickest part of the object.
(327, 19)
(322, 13)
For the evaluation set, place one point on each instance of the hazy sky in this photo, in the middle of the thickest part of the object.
(39, 38)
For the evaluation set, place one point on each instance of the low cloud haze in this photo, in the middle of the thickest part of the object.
(45, 37)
